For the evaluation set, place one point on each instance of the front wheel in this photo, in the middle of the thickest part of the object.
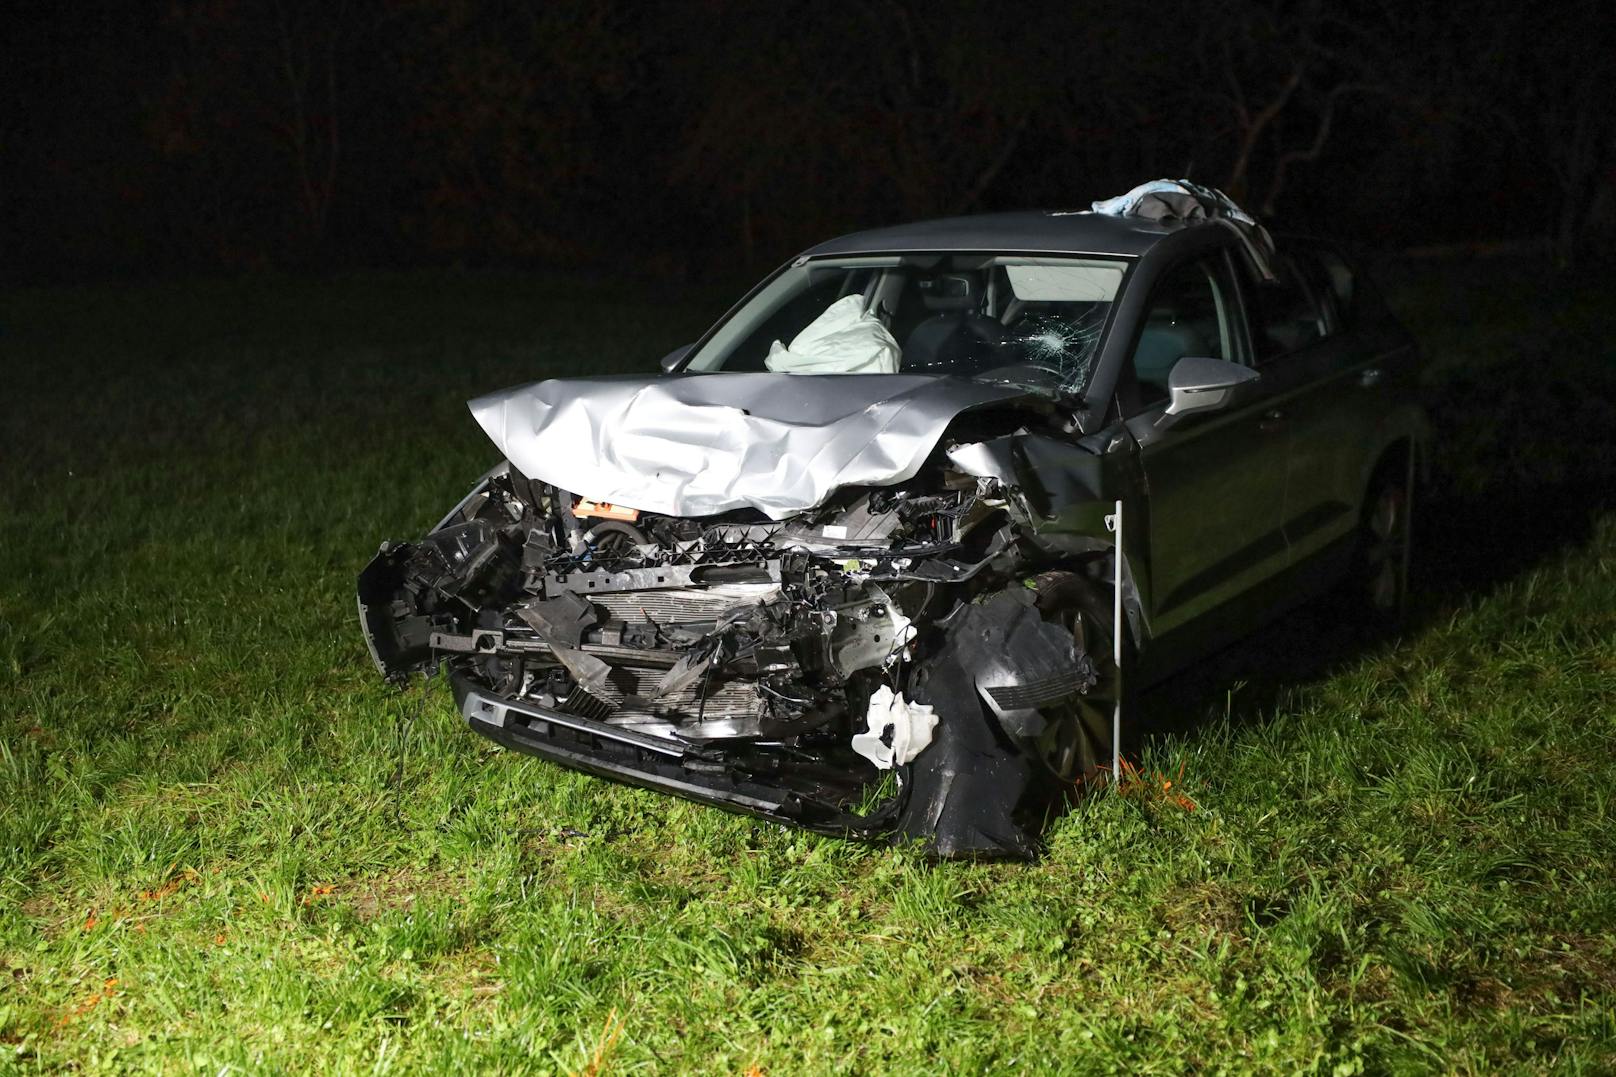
(1076, 742)
(1019, 726)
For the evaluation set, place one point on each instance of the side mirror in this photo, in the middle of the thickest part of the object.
(1199, 384)
(675, 357)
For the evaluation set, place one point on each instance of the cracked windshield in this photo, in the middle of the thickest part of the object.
(1029, 321)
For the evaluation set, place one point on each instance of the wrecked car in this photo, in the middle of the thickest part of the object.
(885, 551)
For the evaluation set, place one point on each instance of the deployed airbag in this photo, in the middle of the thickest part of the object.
(845, 339)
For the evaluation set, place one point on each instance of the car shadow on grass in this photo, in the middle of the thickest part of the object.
(1521, 388)
(1466, 545)
(1521, 466)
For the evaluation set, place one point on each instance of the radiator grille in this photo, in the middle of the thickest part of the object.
(584, 705)
(673, 606)
(727, 699)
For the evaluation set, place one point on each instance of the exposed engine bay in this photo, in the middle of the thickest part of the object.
(711, 629)
(944, 627)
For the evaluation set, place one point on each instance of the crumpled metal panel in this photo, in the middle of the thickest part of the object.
(699, 444)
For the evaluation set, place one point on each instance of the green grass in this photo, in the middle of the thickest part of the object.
(1400, 857)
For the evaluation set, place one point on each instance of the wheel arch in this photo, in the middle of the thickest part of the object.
(1401, 434)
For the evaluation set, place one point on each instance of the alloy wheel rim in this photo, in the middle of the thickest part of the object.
(1387, 533)
(1060, 745)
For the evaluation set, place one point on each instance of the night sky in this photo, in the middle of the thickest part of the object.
(706, 139)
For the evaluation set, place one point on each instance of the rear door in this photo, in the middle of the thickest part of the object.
(1216, 482)
(1316, 382)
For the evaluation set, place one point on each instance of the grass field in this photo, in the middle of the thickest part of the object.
(224, 846)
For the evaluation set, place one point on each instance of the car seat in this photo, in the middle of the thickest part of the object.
(954, 331)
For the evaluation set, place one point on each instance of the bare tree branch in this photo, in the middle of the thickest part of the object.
(1312, 150)
(1253, 130)
(986, 177)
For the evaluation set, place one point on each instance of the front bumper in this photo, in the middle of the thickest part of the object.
(697, 772)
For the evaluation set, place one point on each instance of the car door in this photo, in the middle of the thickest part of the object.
(1313, 376)
(1216, 482)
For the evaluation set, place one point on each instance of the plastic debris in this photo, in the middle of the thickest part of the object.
(898, 730)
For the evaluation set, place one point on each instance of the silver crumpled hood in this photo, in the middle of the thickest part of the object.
(698, 444)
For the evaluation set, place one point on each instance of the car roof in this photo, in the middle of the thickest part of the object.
(1023, 231)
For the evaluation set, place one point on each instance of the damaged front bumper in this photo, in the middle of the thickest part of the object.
(681, 768)
(778, 668)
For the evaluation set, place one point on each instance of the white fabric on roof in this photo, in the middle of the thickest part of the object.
(1181, 200)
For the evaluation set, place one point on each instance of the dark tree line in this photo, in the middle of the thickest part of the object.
(705, 136)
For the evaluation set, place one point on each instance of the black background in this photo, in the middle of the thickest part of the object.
(709, 139)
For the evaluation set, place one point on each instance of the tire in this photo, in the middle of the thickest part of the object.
(983, 789)
(1377, 586)
(1075, 746)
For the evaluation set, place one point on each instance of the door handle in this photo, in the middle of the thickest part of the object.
(1369, 378)
(1272, 419)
